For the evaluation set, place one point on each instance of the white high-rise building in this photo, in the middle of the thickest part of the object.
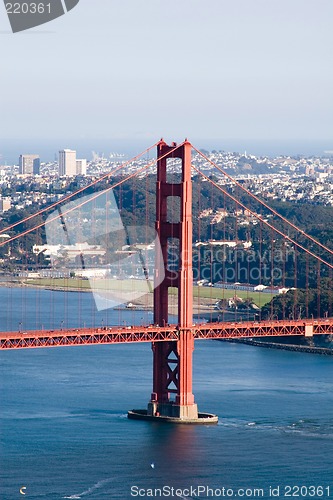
(5, 204)
(67, 162)
(81, 167)
(29, 164)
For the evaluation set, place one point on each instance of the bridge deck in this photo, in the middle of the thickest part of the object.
(117, 335)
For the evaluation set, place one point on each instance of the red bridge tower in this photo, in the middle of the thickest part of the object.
(172, 398)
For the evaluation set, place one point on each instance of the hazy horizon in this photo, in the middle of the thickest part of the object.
(10, 153)
(125, 72)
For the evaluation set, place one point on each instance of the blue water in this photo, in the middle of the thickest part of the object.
(64, 431)
(29, 308)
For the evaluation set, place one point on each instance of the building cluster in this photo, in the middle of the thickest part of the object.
(69, 165)
(316, 188)
(35, 183)
(284, 178)
(299, 179)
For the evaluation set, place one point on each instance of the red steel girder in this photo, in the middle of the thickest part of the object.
(117, 335)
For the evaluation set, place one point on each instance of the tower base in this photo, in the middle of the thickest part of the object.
(202, 418)
(173, 413)
(172, 410)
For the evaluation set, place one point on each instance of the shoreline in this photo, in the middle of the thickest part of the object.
(143, 303)
(326, 351)
(21, 284)
(203, 310)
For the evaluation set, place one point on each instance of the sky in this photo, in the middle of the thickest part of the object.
(120, 74)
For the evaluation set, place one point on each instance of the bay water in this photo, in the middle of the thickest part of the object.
(65, 434)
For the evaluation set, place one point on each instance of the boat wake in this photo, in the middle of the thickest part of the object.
(90, 490)
(304, 427)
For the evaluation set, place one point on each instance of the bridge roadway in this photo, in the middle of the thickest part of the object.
(152, 333)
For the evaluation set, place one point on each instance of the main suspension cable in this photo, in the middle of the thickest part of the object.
(299, 230)
(71, 195)
(260, 218)
(85, 201)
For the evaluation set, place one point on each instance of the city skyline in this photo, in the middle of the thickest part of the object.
(260, 150)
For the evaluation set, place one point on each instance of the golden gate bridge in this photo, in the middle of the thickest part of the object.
(172, 397)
